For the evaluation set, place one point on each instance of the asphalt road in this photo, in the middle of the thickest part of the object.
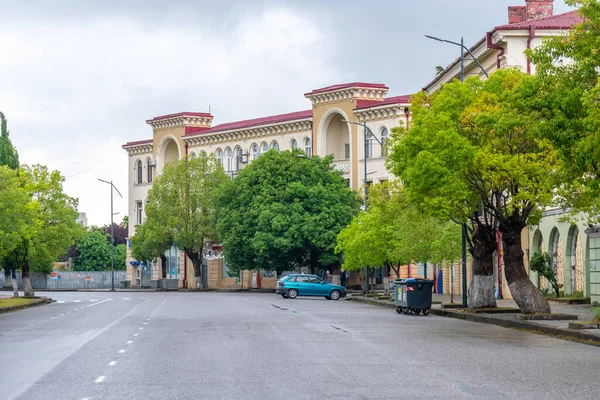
(260, 346)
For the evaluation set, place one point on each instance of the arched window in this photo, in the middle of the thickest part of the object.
(275, 145)
(254, 151)
(228, 160)
(294, 144)
(219, 154)
(139, 171)
(369, 147)
(238, 158)
(202, 154)
(384, 139)
(150, 170)
(307, 147)
(264, 148)
(192, 155)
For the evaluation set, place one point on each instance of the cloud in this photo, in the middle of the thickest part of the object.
(75, 92)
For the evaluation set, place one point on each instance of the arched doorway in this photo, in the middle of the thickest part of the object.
(575, 258)
(557, 256)
(334, 137)
(538, 245)
(168, 151)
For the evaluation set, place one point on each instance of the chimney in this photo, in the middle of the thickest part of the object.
(517, 14)
(537, 9)
(532, 10)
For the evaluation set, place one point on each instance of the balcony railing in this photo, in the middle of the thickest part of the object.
(342, 165)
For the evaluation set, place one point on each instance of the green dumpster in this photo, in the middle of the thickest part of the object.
(413, 296)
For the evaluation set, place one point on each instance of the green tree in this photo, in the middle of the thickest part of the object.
(121, 257)
(9, 158)
(569, 106)
(473, 152)
(395, 233)
(283, 211)
(8, 153)
(181, 205)
(94, 252)
(150, 243)
(542, 264)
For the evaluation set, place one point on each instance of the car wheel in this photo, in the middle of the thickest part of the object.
(426, 311)
(328, 298)
(284, 295)
(292, 293)
(335, 294)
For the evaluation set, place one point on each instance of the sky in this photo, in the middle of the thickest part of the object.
(78, 79)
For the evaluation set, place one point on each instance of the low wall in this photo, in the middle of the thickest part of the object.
(71, 280)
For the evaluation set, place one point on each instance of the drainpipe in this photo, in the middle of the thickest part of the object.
(494, 46)
(406, 115)
(185, 255)
(529, 40)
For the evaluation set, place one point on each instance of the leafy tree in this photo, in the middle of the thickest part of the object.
(120, 233)
(8, 153)
(58, 229)
(121, 257)
(567, 69)
(395, 233)
(542, 264)
(473, 153)
(150, 243)
(94, 252)
(283, 211)
(181, 206)
(9, 158)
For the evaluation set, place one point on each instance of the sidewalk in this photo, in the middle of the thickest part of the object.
(557, 328)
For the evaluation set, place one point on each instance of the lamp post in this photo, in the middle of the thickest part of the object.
(112, 231)
(365, 130)
(464, 225)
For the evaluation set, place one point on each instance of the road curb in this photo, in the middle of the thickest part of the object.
(567, 334)
(39, 302)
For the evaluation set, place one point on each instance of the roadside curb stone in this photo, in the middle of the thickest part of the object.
(40, 301)
(567, 334)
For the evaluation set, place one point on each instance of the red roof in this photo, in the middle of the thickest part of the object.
(334, 88)
(181, 114)
(139, 142)
(249, 123)
(559, 21)
(362, 104)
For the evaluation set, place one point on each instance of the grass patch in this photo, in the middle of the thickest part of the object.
(12, 301)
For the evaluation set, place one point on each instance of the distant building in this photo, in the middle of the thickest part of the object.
(82, 220)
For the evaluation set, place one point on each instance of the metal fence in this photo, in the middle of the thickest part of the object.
(71, 280)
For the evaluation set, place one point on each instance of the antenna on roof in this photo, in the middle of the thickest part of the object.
(209, 108)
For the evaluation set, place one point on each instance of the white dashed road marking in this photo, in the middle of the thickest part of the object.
(129, 341)
(126, 298)
(100, 302)
(121, 351)
(76, 301)
(100, 379)
(112, 363)
(135, 334)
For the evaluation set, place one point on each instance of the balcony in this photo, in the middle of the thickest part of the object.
(342, 165)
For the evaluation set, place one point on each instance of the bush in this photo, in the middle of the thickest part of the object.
(541, 263)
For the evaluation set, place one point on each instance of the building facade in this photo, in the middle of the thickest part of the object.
(328, 127)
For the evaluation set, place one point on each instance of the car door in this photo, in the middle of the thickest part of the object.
(318, 286)
(302, 285)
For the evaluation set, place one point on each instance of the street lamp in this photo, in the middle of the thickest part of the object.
(112, 229)
(464, 225)
(365, 130)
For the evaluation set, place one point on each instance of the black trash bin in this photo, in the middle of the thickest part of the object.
(416, 296)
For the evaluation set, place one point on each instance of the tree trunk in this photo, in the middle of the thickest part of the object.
(526, 295)
(14, 283)
(27, 289)
(481, 290)
(163, 264)
(197, 262)
(7, 277)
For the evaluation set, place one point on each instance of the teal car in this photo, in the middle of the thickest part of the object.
(296, 285)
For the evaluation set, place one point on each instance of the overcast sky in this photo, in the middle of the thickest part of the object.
(79, 78)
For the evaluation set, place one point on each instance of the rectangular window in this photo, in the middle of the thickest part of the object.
(138, 210)
(150, 172)
(369, 149)
(347, 151)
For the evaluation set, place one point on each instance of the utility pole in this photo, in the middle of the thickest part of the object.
(112, 231)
